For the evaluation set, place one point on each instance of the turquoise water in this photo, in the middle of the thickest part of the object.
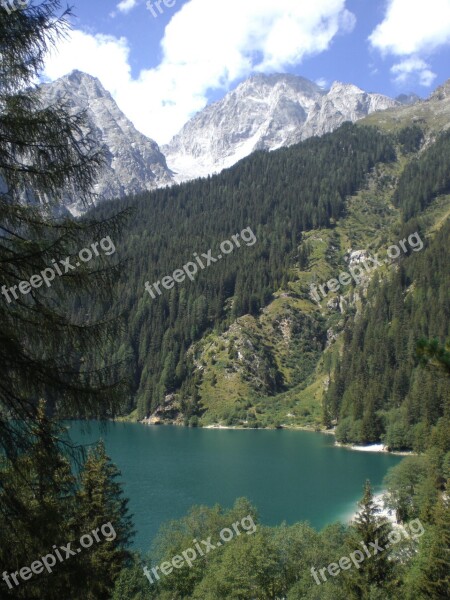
(289, 475)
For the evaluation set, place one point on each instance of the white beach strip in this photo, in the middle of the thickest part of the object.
(374, 448)
(384, 512)
(371, 448)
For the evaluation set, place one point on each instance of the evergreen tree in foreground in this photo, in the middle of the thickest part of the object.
(44, 508)
(37, 502)
(45, 152)
(431, 352)
(375, 576)
(99, 502)
(434, 563)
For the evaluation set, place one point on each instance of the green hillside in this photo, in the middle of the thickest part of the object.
(244, 343)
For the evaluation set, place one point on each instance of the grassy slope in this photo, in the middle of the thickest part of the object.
(234, 390)
(432, 114)
(274, 369)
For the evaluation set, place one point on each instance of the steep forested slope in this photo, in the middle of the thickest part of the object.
(424, 178)
(244, 343)
(380, 385)
(278, 196)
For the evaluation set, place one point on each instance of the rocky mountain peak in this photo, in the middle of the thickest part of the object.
(134, 163)
(265, 112)
(280, 81)
(339, 87)
(408, 99)
(442, 92)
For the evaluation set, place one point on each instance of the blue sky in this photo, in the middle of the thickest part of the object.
(164, 65)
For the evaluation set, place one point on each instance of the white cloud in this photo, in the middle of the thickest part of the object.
(405, 70)
(103, 56)
(322, 82)
(206, 46)
(413, 29)
(126, 5)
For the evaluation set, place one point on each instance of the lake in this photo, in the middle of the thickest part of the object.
(288, 475)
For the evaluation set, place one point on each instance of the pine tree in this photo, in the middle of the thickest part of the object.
(376, 572)
(432, 353)
(100, 501)
(37, 501)
(45, 153)
(432, 572)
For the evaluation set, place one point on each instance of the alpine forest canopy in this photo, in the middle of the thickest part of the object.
(279, 195)
(381, 389)
(242, 343)
(47, 484)
(424, 178)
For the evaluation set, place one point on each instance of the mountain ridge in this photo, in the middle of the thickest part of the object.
(134, 162)
(265, 112)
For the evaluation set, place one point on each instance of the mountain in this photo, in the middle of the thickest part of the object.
(432, 114)
(408, 99)
(442, 92)
(134, 162)
(245, 342)
(265, 112)
(248, 342)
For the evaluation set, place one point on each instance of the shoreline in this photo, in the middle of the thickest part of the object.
(384, 512)
(378, 448)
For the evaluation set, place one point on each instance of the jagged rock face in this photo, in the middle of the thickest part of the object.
(432, 114)
(442, 92)
(408, 99)
(134, 162)
(344, 102)
(264, 113)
